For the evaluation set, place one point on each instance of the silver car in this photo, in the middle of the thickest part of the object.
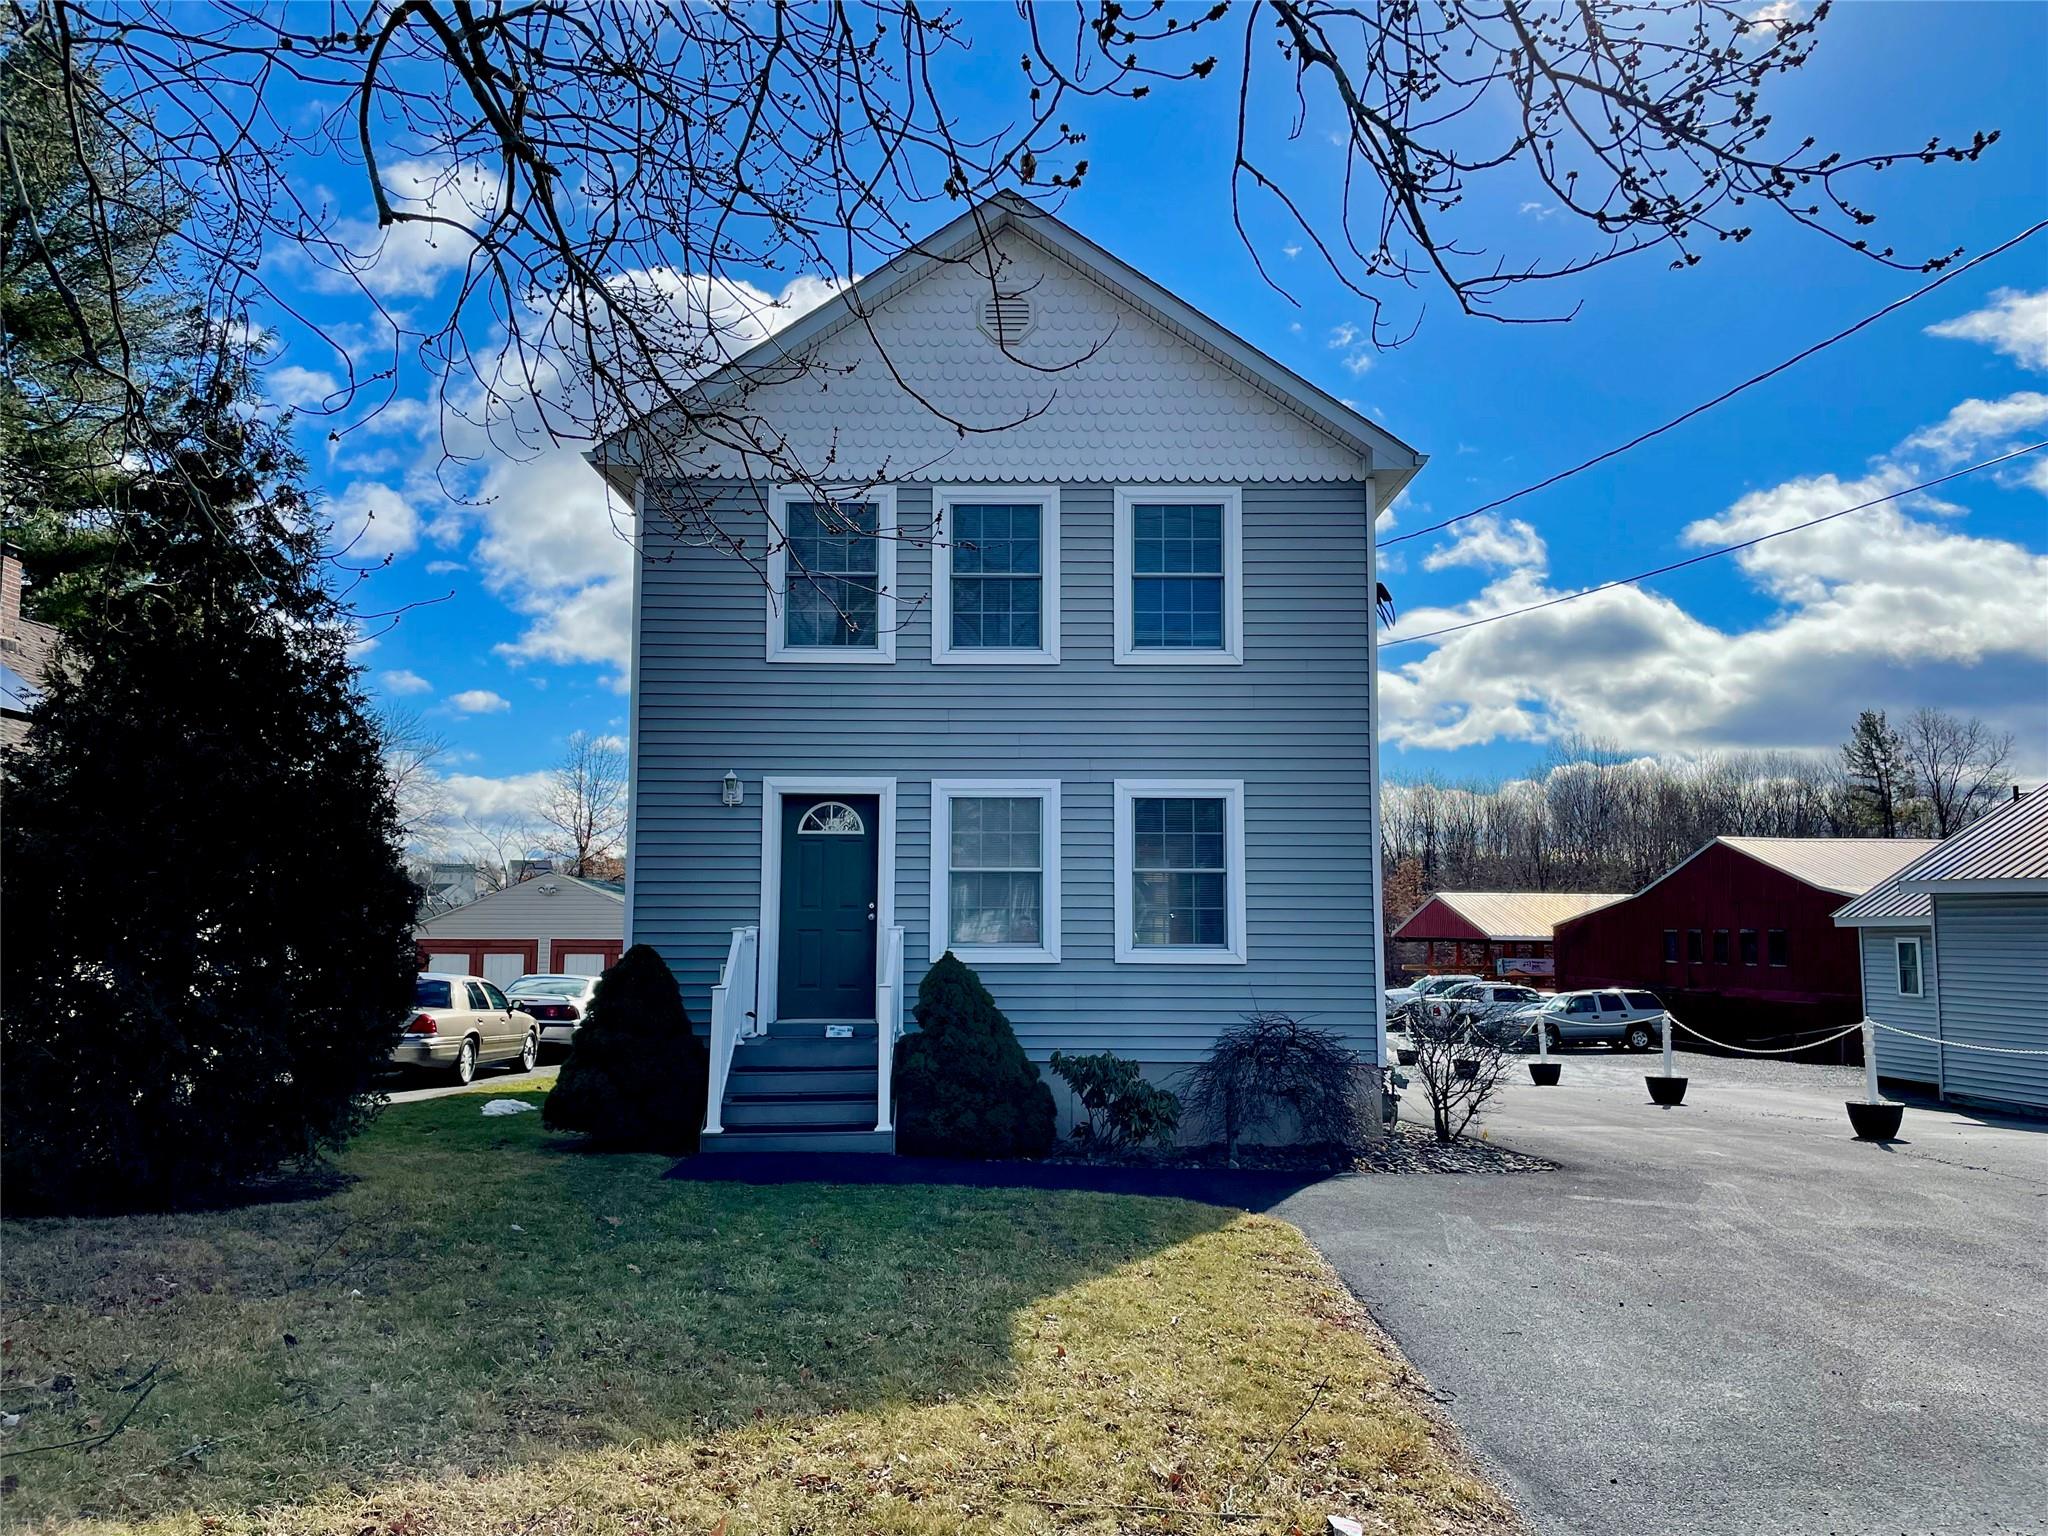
(557, 1002)
(1626, 1020)
(1402, 1000)
(460, 1023)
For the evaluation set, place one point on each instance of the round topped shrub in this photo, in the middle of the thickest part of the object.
(636, 1072)
(964, 1087)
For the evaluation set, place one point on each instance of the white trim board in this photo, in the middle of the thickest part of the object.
(1047, 652)
(1231, 791)
(1128, 499)
(944, 792)
(883, 652)
(773, 788)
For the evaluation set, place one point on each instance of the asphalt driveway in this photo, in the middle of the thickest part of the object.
(1729, 1316)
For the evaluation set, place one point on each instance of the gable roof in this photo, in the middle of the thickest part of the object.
(1848, 865)
(1392, 462)
(2007, 847)
(1886, 906)
(1509, 916)
(522, 893)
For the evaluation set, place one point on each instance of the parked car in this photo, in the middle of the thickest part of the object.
(1628, 1021)
(1401, 999)
(1491, 1008)
(558, 1002)
(460, 1023)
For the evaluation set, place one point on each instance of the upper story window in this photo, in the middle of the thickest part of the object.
(996, 576)
(996, 869)
(832, 578)
(1179, 576)
(1180, 872)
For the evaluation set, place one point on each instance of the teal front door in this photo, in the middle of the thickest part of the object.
(826, 969)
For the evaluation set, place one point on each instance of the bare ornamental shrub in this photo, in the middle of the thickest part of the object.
(1123, 1109)
(1462, 1069)
(1274, 1062)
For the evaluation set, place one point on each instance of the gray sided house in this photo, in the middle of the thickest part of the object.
(1086, 699)
(1955, 959)
(552, 924)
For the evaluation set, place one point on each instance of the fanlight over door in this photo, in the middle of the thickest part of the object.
(831, 818)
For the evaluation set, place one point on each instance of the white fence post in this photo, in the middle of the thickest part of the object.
(1870, 1062)
(1667, 1042)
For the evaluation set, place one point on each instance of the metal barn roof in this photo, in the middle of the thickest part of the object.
(1886, 906)
(2010, 844)
(1514, 916)
(1851, 865)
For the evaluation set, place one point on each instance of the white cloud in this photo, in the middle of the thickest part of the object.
(1343, 335)
(1487, 541)
(479, 701)
(1778, 13)
(1291, 249)
(1887, 608)
(401, 681)
(2013, 323)
(1978, 427)
(1538, 211)
(478, 799)
(289, 384)
(371, 521)
(443, 567)
(411, 260)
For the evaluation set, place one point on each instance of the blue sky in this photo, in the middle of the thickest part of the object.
(1942, 602)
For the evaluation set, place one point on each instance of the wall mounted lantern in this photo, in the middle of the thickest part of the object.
(735, 792)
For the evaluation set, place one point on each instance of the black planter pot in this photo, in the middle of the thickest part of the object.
(1544, 1073)
(1875, 1122)
(1407, 1055)
(1667, 1090)
(1466, 1069)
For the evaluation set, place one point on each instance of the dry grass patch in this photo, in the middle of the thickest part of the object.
(488, 1330)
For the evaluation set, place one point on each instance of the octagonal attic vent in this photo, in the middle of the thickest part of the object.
(1007, 317)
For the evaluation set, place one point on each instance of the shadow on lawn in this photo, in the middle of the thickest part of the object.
(477, 1296)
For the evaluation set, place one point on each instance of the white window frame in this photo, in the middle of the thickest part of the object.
(1919, 966)
(1231, 792)
(1128, 499)
(1047, 793)
(883, 652)
(1047, 652)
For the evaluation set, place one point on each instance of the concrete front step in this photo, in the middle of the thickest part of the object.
(766, 1051)
(788, 1112)
(862, 1139)
(749, 1081)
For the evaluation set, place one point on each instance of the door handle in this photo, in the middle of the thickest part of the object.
(871, 911)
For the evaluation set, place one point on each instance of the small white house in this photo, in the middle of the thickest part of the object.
(1955, 961)
(556, 923)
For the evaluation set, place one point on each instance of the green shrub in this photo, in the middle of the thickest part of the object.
(964, 1086)
(636, 1072)
(1123, 1109)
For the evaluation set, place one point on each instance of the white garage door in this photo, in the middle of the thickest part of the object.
(574, 964)
(456, 964)
(504, 969)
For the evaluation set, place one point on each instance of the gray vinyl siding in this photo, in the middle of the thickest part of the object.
(1291, 723)
(1993, 962)
(1897, 1055)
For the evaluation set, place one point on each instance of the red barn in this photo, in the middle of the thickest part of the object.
(1739, 940)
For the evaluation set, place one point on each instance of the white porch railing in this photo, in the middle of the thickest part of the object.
(888, 1026)
(734, 1017)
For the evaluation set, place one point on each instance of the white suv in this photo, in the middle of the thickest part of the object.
(1626, 1020)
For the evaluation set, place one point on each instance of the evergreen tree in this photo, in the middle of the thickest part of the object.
(209, 929)
(964, 1087)
(1880, 774)
(636, 1074)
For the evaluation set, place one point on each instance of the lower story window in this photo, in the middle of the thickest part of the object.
(995, 869)
(1909, 967)
(1776, 947)
(1749, 946)
(1180, 871)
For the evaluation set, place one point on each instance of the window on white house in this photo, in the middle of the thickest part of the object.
(995, 576)
(1909, 968)
(1179, 578)
(831, 579)
(1180, 872)
(995, 870)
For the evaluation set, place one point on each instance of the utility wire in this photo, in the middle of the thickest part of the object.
(1725, 549)
(1726, 394)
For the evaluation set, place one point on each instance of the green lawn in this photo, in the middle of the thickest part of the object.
(491, 1330)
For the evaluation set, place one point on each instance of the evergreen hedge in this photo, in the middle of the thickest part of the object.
(964, 1087)
(636, 1073)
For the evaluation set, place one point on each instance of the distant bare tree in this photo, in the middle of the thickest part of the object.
(413, 753)
(584, 805)
(1960, 765)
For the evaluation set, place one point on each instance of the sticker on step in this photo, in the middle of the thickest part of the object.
(838, 1031)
